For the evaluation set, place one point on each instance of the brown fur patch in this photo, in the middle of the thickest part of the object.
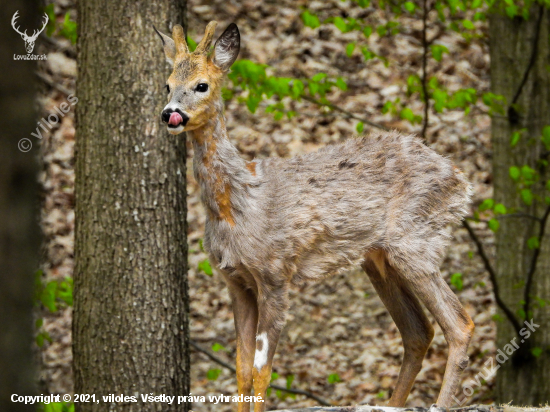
(251, 166)
(223, 199)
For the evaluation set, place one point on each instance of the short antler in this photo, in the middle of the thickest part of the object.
(204, 46)
(13, 19)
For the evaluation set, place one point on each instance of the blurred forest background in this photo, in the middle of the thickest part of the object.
(362, 68)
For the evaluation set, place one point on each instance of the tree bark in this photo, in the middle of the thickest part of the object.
(19, 231)
(524, 378)
(130, 325)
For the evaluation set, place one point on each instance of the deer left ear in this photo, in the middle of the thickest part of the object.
(169, 46)
(227, 47)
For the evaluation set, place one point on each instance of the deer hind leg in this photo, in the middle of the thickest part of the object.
(404, 308)
(272, 307)
(456, 324)
(245, 313)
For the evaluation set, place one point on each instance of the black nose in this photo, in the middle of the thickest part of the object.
(165, 116)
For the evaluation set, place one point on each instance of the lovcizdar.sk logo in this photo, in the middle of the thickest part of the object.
(29, 40)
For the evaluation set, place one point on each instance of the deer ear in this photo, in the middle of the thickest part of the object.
(227, 47)
(169, 47)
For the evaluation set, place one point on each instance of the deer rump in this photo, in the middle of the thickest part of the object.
(321, 213)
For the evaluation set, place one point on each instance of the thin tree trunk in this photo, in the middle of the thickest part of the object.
(130, 325)
(524, 378)
(19, 231)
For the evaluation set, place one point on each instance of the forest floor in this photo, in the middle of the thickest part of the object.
(338, 326)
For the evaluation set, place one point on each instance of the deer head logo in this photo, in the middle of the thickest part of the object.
(29, 40)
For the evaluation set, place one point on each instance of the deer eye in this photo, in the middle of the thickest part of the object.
(201, 87)
(167, 89)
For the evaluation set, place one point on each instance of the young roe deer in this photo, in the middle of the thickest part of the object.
(382, 201)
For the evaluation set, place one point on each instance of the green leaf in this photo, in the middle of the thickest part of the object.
(438, 50)
(340, 24)
(499, 209)
(204, 266)
(367, 31)
(318, 77)
(546, 137)
(350, 48)
(310, 20)
(536, 352)
(486, 204)
(468, 24)
(192, 44)
(216, 347)
(494, 224)
(407, 114)
(360, 126)
(341, 84)
(68, 29)
(410, 6)
(497, 318)
(213, 374)
(334, 378)
(533, 243)
(274, 376)
(515, 139)
(548, 185)
(456, 281)
(289, 380)
(514, 172)
(526, 196)
(50, 27)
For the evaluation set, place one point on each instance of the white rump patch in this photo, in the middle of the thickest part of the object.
(260, 358)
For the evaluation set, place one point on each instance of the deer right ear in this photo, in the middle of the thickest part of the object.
(227, 47)
(169, 46)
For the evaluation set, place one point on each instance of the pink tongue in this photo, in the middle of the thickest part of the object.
(175, 119)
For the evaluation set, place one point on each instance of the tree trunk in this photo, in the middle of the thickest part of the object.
(130, 325)
(524, 378)
(19, 231)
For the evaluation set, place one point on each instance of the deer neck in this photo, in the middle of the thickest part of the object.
(223, 175)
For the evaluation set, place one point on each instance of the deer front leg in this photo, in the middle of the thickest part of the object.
(272, 306)
(245, 313)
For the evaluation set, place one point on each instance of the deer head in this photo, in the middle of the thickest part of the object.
(29, 40)
(195, 82)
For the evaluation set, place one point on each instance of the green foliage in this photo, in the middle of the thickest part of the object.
(192, 44)
(546, 137)
(438, 50)
(333, 378)
(216, 347)
(533, 243)
(56, 407)
(494, 224)
(53, 293)
(256, 85)
(310, 20)
(66, 29)
(50, 27)
(204, 266)
(456, 281)
(536, 352)
(213, 374)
